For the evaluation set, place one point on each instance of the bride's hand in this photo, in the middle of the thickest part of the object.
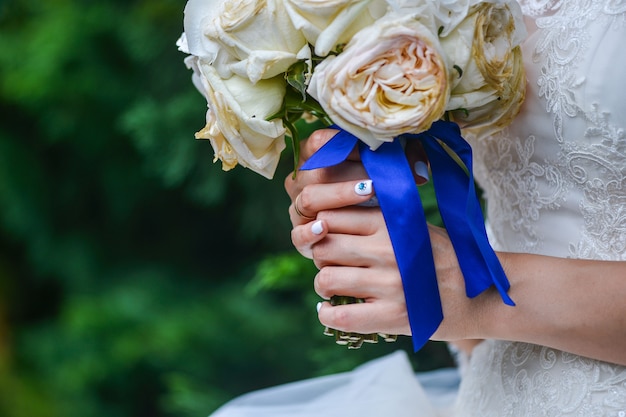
(306, 202)
(355, 259)
(352, 249)
(351, 169)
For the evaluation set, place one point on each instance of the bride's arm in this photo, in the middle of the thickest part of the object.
(574, 305)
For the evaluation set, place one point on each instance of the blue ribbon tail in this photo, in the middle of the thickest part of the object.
(462, 216)
(402, 209)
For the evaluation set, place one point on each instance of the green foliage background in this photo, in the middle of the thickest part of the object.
(136, 278)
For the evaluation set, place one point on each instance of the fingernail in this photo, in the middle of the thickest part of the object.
(421, 169)
(318, 306)
(317, 227)
(363, 187)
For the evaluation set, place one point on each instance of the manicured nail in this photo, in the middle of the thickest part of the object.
(317, 227)
(421, 169)
(363, 187)
(318, 306)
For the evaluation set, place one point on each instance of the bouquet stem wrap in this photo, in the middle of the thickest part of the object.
(404, 216)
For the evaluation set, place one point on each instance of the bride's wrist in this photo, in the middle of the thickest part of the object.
(502, 321)
(480, 320)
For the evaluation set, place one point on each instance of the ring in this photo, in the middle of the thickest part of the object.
(298, 212)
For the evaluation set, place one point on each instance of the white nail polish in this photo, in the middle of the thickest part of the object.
(421, 169)
(317, 227)
(318, 306)
(363, 187)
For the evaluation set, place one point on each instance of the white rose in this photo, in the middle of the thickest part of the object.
(490, 84)
(327, 23)
(236, 120)
(390, 79)
(447, 14)
(257, 34)
(198, 14)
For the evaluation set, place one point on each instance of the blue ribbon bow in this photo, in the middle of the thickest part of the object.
(404, 216)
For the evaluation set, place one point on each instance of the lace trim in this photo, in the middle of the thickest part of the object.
(599, 170)
(518, 189)
(539, 7)
(530, 380)
(563, 41)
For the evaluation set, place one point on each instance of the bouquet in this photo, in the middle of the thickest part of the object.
(381, 72)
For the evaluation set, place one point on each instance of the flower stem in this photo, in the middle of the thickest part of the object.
(350, 339)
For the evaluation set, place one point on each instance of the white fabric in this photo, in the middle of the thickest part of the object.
(383, 387)
(555, 184)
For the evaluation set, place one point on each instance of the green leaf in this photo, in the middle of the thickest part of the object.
(296, 77)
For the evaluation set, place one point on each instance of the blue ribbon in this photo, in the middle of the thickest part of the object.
(404, 216)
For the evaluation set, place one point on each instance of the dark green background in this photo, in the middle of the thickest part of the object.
(136, 278)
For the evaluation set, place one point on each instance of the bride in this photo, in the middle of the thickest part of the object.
(555, 187)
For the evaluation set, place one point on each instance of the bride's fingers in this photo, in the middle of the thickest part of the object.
(365, 318)
(317, 197)
(367, 283)
(297, 215)
(354, 220)
(305, 236)
(348, 223)
(351, 250)
(345, 171)
(350, 169)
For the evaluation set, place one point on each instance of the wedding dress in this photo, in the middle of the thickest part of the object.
(555, 184)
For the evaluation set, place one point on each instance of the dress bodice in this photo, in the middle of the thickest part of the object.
(555, 181)
(555, 184)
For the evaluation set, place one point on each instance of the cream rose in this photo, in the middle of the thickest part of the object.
(327, 23)
(257, 36)
(490, 84)
(236, 120)
(390, 79)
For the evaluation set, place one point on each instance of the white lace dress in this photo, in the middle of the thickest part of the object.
(555, 184)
